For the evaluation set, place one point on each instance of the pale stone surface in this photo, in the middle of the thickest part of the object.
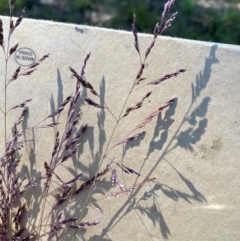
(192, 148)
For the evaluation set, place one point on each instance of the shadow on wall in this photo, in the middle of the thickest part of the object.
(185, 139)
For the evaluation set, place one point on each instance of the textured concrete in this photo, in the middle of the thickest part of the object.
(192, 148)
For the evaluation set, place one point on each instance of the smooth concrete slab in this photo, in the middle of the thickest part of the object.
(192, 148)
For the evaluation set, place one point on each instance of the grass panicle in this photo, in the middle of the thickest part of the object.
(56, 190)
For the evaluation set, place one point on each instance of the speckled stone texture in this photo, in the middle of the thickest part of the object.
(192, 148)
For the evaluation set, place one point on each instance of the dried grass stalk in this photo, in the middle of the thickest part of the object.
(13, 49)
(130, 138)
(90, 181)
(28, 70)
(15, 75)
(1, 34)
(91, 102)
(20, 18)
(140, 72)
(134, 30)
(12, 3)
(168, 23)
(83, 81)
(156, 112)
(167, 8)
(61, 107)
(21, 105)
(76, 138)
(83, 224)
(137, 106)
(127, 169)
(168, 76)
(76, 178)
(69, 155)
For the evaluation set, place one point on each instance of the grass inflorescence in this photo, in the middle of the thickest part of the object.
(67, 141)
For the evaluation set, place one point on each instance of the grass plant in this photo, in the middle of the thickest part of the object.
(13, 208)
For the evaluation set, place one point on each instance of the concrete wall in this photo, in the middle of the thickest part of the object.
(191, 148)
